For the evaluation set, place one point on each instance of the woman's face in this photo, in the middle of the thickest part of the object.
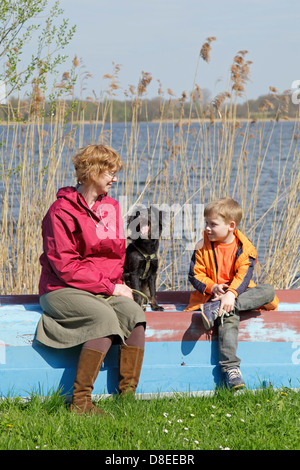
(104, 181)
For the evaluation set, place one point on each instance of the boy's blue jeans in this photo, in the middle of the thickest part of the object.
(251, 299)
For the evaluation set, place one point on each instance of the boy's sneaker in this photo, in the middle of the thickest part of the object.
(209, 313)
(234, 379)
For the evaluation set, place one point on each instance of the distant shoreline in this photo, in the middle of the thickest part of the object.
(206, 120)
(155, 121)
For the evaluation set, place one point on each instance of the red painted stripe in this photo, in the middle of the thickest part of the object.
(167, 297)
(288, 295)
(18, 299)
(176, 326)
(270, 326)
(182, 297)
(172, 325)
(188, 326)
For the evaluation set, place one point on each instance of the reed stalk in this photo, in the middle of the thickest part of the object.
(176, 162)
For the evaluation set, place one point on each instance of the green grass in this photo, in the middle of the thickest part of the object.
(266, 419)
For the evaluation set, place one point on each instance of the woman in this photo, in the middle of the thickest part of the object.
(81, 291)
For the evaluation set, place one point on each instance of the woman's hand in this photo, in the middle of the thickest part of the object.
(123, 290)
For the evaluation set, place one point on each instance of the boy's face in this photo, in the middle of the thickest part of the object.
(218, 230)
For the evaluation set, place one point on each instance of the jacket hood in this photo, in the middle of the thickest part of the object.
(247, 245)
(70, 194)
(71, 191)
(68, 197)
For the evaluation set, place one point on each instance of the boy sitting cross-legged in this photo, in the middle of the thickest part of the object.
(221, 271)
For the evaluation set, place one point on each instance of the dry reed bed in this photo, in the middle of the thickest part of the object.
(180, 163)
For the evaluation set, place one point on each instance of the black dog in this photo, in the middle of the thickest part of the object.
(141, 262)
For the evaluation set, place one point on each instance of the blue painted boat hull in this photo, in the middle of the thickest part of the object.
(183, 358)
(40, 371)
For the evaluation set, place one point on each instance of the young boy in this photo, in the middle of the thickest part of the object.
(221, 271)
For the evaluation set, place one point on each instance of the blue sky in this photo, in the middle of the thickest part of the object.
(164, 37)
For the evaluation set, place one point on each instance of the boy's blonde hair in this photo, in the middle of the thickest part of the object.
(95, 159)
(225, 207)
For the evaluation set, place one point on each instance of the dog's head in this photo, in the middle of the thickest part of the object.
(145, 223)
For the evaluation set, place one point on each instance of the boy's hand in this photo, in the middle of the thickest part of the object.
(219, 289)
(227, 302)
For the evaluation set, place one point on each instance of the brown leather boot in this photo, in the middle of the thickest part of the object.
(131, 360)
(88, 367)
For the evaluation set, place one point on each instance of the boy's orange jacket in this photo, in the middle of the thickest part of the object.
(203, 271)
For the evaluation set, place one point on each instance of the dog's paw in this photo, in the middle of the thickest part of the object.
(157, 308)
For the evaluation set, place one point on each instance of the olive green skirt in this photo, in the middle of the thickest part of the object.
(72, 316)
